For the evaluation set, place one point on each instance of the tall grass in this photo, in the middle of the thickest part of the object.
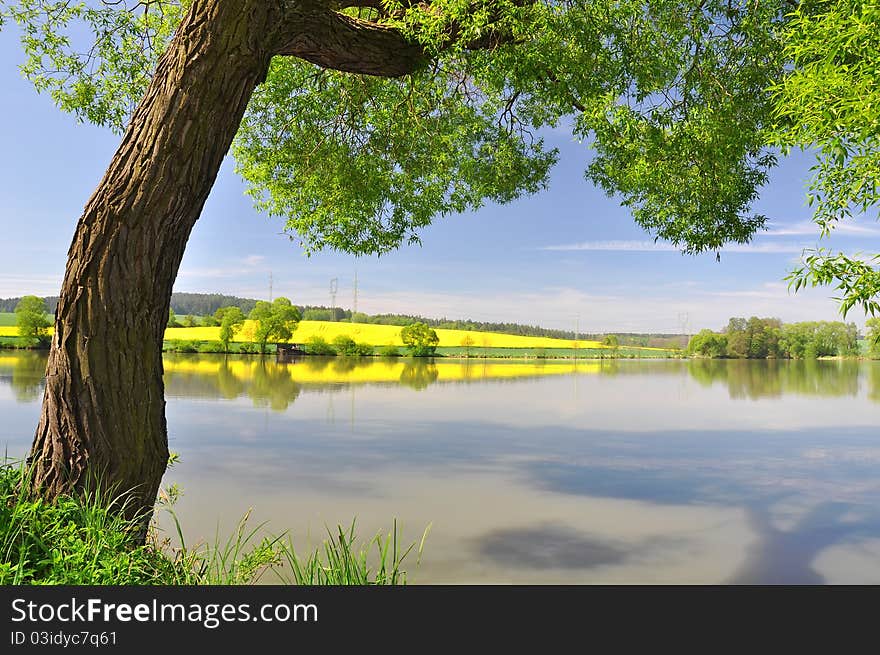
(77, 540)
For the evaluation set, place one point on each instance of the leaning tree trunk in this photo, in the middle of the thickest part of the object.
(103, 414)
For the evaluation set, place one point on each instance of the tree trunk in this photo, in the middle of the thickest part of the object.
(103, 414)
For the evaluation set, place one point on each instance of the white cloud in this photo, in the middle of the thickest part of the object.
(254, 260)
(12, 286)
(847, 228)
(650, 246)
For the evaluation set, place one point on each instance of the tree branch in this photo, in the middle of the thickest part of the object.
(343, 43)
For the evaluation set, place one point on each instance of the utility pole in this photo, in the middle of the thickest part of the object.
(334, 285)
(355, 304)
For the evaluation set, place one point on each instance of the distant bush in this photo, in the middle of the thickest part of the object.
(345, 345)
(364, 350)
(389, 351)
(248, 348)
(211, 347)
(318, 346)
(181, 346)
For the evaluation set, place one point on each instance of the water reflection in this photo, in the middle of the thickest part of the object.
(24, 372)
(773, 378)
(278, 385)
(590, 471)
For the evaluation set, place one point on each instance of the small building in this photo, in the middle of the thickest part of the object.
(287, 352)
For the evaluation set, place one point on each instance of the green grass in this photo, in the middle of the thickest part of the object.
(8, 318)
(77, 541)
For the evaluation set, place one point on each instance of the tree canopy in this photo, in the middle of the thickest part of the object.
(672, 95)
(419, 339)
(33, 324)
(275, 320)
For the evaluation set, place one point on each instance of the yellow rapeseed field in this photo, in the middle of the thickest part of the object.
(376, 335)
(383, 335)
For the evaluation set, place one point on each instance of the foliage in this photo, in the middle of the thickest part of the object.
(612, 341)
(320, 314)
(78, 541)
(275, 320)
(758, 338)
(672, 96)
(317, 345)
(873, 337)
(389, 351)
(33, 324)
(182, 346)
(231, 320)
(248, 348)
(708, 344)
(172, 320)
(830, 102)
(343, 563)
(213, 347)
(419, 339)
(346, 346)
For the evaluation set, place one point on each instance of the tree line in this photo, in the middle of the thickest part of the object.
(762, 338)
(186, 306)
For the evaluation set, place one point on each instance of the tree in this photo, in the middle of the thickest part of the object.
(189, 321)
(708, 344)
(419, 339)
(275, 320)
(172, 319)
(829, 101)
(467, 343)
(370, 119)
(613, 342)
(33, 325)
(231, 320)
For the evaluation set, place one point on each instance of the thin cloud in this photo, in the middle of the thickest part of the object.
(810, 228)
(650, 246)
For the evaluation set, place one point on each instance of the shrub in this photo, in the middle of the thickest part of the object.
(364, 350)
(318, 346)
(248, 348)
(211, 347)
(345, 345)
(389, 351)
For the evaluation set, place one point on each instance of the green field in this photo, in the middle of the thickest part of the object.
(7, 318)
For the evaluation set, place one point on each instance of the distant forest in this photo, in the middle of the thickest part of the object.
(203, 304)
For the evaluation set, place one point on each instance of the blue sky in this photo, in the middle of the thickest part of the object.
(567, 257)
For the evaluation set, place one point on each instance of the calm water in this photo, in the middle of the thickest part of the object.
(627, 472)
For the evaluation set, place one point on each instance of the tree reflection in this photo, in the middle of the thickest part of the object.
(874, 381)
(273, 386)
(419, 374)
(772, 378)
(25, 375)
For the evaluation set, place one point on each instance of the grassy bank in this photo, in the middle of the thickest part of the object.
(77, 541)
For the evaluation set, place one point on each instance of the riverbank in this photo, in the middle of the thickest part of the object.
(78, 541)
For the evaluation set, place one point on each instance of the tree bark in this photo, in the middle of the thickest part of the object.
(103, 414)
